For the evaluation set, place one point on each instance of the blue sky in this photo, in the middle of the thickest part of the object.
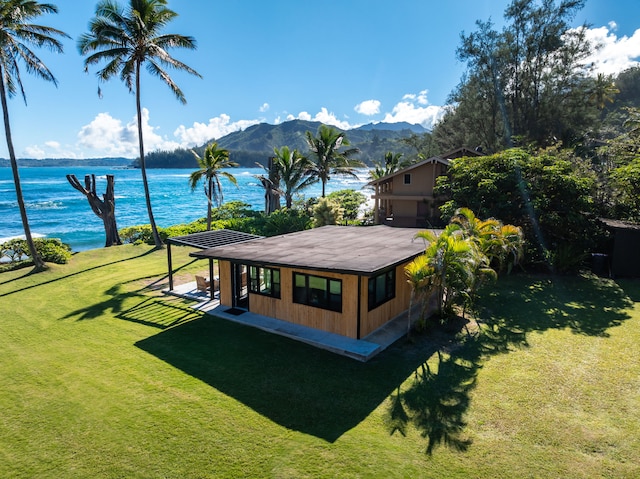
(343, 62)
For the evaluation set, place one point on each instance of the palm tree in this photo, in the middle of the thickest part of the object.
(127, 38)
(295, 172)
(392, 164)
(16, 34)
(327, 158)
(211, 164)
(420, 276)
(604, 90)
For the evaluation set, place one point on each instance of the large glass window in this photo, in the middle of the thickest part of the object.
(382, 288)
(317, 291)
(265, 281)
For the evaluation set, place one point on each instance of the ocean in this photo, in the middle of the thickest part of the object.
(55, 209)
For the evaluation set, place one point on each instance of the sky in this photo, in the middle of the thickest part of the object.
(346, 63)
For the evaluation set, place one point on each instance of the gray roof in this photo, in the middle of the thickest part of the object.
(346, 249)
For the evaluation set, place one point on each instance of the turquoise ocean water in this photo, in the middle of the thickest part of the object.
(57, 210)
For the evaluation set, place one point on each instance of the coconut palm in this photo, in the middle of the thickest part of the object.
(392, 163)
(16, 35)
(126, 39)
(499, 243)
(328, 158)
(420, 277)
(211, 166)
(295, 172)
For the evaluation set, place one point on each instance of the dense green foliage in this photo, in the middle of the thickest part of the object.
(549, 196)
(350, 201)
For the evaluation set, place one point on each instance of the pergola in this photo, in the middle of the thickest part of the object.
(205, 240)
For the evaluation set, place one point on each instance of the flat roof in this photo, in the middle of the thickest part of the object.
(211, 239)
(344, 249)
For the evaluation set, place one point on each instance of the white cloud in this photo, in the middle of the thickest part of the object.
(415, 109)
(217, 127)
(107, 136)
(34, 151)
(368, 107)
(323, 116)
(329, 118)
(613, 54)
(264, 107)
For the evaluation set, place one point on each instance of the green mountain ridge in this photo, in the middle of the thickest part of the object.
(255, 144)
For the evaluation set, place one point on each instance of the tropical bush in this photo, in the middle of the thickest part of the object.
(53, 250)
(458, 260)
(350, 201)
(549, 196)
(326, 212)
(50, 250)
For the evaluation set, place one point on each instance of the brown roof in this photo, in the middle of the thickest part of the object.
(345, 249)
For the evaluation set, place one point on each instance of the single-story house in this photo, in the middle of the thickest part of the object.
(406, 198)
(345, 280)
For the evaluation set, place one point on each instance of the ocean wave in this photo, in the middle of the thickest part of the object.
(45, 205)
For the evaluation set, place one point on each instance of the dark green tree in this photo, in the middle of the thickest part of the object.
(17, 34)
(525, 84)
(126, 38)
(548, 195)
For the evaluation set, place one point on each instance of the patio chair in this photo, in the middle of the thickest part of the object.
(202, 283)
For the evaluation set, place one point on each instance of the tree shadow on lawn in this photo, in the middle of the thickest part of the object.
(70, 275)
(585, 304)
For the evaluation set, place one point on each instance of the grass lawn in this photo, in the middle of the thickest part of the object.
(104, 377)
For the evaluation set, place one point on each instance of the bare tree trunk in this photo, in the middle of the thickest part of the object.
(104, 208)
(39, 265)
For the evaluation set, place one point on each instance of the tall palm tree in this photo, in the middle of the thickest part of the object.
(295, 172)
(211, 164)
(127, 38)
(328, 158)
(16, 34)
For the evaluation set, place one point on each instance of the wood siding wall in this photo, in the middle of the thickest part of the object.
(344, 323)
(226, 291)
(372, 320)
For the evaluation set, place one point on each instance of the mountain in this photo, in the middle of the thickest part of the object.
(400, 126)
(256, 143)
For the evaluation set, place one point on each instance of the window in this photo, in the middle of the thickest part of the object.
(318, 291)
(407, 178)
(264, 281)
(382, 288)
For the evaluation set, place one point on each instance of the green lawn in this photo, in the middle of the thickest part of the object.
(103, 376)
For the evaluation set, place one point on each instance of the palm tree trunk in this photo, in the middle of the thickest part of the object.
(209, 200)
(154, 229)
(37, 261)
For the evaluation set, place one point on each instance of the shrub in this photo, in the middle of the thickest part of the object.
(52, 250)
(15, 250)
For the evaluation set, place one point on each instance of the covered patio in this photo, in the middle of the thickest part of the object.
(202, 241)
